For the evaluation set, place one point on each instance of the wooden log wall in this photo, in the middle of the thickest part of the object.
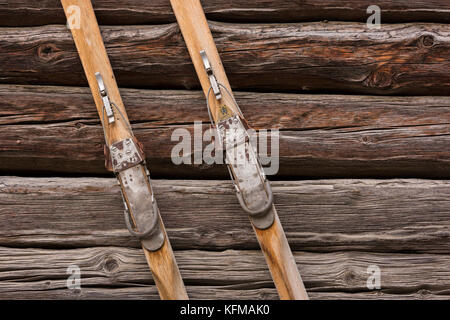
(364, 121)
(55, 129)
(407, 59)
(126, 12)
(337, 227)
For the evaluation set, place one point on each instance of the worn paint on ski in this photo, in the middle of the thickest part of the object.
(94, 58)
(273, 242)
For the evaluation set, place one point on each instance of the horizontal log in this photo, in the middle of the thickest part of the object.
(317, 215)
(30, 13)
(310, 57)
(218, 273)
(56, 129)
(148, 292)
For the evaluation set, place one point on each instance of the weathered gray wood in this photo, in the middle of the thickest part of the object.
(205, 293)
(318, 215)
(31, 12)
(218, 274)
(56, 129)
(327, 57)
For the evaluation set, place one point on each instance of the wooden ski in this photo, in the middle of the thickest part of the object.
(253, 189)
(123, 153)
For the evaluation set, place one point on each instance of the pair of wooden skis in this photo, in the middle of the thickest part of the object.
(125, 157)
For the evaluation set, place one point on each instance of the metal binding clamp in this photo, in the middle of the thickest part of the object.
(141, 210)
(127, 160)
(105, 98)
(252, 187)
(210, 73)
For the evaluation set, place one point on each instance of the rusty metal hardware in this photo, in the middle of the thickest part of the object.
(125, 154)
(126, 159)
(141, 210)
(252, 187)
(211, 76)
(105, 97)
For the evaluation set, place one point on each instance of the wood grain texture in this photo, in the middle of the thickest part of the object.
(317, 215)
(202, 293)
(340, 226)
(304, 57)
(94, 58)
(280, 261)
(56, 129)
(110, 12)
(194, 27)
(120, 273)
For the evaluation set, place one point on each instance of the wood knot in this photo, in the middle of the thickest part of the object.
(426, 41)
(47, 51)
(380, 79)
(111, 265)
(350, 277)
(424, 293)
(365, 140)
